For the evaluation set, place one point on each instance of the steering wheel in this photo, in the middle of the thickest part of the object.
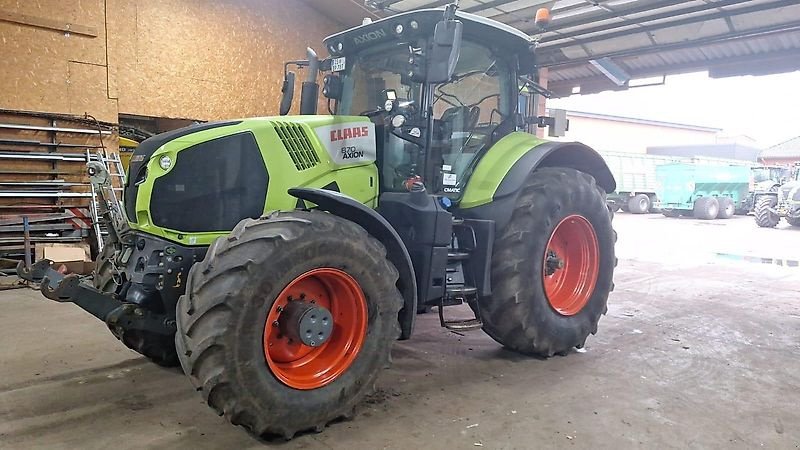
(469, 117)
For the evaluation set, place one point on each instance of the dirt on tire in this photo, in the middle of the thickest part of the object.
(221, 319)
(519, 315)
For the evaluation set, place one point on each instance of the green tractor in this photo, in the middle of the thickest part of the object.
(781, 202)
(277, 259)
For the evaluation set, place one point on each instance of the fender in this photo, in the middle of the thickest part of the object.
(347, 208)
(492, 189)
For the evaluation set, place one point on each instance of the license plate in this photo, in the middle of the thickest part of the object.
(338, 64)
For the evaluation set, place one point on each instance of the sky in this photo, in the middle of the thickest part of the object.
(765, 108)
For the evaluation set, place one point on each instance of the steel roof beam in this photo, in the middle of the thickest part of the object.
(755, 32)
(599, 83)
(635, 9)
(674, 23)
(496, 3)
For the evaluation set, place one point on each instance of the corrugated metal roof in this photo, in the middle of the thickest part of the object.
(788, 149)
(645, 37)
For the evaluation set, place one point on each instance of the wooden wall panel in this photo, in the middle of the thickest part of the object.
(199, 59)
(209, 59)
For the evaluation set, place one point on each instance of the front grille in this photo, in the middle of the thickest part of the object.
(297, 144)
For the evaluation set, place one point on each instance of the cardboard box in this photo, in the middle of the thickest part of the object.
(75, 257)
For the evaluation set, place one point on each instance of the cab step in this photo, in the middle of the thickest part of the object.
(461, 291)
(457, 256)
(459, 324)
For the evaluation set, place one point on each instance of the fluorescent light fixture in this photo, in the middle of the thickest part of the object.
(612, 70)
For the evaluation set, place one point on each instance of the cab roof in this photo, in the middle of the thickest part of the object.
(490, 32)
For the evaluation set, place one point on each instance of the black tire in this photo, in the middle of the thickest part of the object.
(158, 348)
(793, 221)
(221, 319)
(614, 207)
(764, 217)
(706, 208)
(726, 208)
(519, 314)
(639, 204)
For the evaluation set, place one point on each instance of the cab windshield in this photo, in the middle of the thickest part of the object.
(466, 110)
(370, 73)
(761, 174)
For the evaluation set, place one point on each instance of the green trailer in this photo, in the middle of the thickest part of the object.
(704, 191)
(636, 180)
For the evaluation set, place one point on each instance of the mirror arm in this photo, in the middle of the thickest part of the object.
(538, 88)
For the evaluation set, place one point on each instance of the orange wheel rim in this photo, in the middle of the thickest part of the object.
(571, 265)
(303, 366)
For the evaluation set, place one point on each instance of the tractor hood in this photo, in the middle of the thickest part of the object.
(790, 191)
(192, 184)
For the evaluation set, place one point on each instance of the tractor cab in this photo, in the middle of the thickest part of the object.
(440, 86)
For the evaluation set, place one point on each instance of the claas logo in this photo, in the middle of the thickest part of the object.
(349, 133)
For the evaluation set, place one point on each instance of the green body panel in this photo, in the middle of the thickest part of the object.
(680, 184)
(358, 180)
(494, 166)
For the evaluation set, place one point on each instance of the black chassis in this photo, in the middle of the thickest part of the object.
(153, 275)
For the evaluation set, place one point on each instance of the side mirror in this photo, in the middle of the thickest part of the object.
(287, 92)
(557, 123)
(444, 51)
(332, 87)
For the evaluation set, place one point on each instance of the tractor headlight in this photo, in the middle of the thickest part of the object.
(414, 24)
(398, 29)
(165, 162)
(398, 120)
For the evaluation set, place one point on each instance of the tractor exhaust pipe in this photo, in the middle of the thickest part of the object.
(310, 90)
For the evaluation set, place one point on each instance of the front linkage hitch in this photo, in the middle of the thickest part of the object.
(117, 315)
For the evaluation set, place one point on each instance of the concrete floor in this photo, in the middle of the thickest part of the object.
(699, 350)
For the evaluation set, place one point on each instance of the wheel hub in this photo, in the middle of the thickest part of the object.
(306, 322)
(552, 263)
(315, 328)
(571, 265)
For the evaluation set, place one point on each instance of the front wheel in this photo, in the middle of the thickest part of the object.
(764, 215)
(552, 266)
(287, 321)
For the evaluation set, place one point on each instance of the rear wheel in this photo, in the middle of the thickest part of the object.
(287, 322)
(552, 266)
(706, 208)
(158, 348)
(764, 217)
(793, 221)
(639, 204)
(726, 208)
